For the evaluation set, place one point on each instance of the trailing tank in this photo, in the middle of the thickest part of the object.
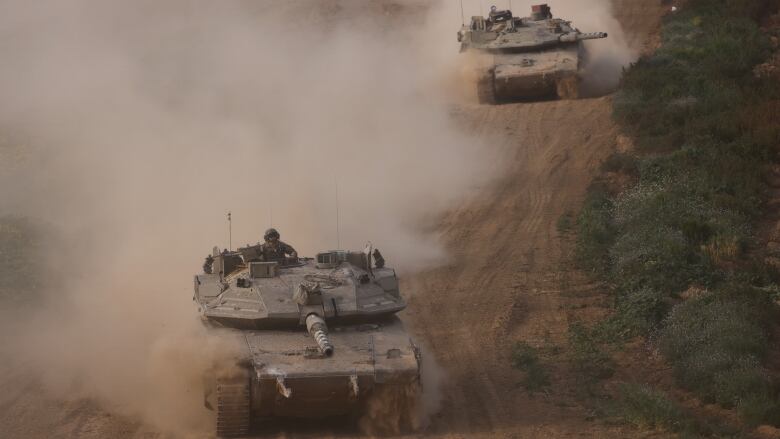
(525, 58)
(321, 338)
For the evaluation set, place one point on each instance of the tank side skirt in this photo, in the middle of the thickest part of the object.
(233, 407)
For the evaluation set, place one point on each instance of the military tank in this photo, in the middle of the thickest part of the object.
(321, 337)
(525, 58)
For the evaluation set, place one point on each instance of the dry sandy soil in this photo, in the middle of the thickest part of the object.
(507, 282)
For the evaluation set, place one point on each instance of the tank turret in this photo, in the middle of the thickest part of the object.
(525, 57)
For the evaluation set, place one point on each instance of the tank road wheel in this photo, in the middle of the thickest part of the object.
(568, 87)
(486, 89)
(233, 405)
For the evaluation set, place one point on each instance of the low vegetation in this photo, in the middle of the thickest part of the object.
(526, 359)
(716, 343)
(587, 357)
(679, 244)
(645, 407)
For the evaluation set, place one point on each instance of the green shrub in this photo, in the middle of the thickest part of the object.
(716, 343)
(636, 313)
(526, 359)
(523, 355)
(759, 409)
(656, 256)
(536, 379)
(565, 222)
(586, 356)
(621, 162)
(595, 230)
(644, 407)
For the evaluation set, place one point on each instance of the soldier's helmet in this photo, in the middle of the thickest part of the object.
(271, 233)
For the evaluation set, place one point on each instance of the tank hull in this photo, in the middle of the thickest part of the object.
(285, 376)
(531, 75)
(365, 356)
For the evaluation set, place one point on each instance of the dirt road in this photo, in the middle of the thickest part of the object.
(506, 282)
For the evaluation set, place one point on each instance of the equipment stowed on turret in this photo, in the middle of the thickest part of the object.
(321, 335)
(524, 58)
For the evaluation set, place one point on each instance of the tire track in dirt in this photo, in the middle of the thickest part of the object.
(502, 262)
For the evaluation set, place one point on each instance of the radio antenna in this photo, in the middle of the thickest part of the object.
(462, 15)
(230, 231)
(338, 228)
(271, 209)
(510, 5)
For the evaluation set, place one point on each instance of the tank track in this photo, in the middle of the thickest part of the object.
(568, 88)
(486, 88)
(233, 407)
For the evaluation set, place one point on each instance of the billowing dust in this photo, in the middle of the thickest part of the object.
(145, 122)
(604, 59)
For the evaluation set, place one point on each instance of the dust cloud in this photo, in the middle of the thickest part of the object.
(144, 122)
(606, 58)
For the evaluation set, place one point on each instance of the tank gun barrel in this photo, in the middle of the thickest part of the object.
(319, 330)
(572, 37)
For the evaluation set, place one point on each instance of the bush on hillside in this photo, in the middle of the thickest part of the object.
(595, 231)
(587, 358)
(716, 343)
(645, 407)
(526, 358)
(636, 313)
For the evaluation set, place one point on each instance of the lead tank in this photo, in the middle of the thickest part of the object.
(523, 58)
(320, 338)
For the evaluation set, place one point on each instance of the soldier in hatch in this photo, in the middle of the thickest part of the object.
(274, 250)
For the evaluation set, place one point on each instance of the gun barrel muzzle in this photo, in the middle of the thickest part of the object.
(572, 36)
(319, 330)
(593, 35)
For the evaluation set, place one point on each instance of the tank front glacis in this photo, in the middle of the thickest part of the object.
(321, 334)
(526, 57)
